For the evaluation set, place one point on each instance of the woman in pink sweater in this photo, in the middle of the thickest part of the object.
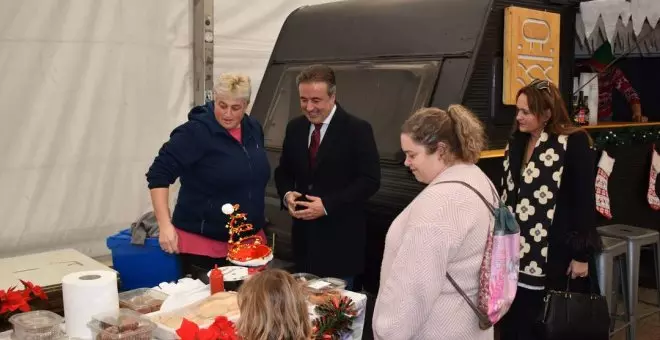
(444, 229)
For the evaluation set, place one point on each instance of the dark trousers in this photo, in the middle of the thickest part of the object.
(520, 322)
(197, 266)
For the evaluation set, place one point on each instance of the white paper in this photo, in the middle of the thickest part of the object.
(85, 295)
(182, 299)
(318, 284)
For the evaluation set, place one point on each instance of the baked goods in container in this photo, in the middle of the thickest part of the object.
(203, 312)
(325, 289)
(142, 300)
(123, 324)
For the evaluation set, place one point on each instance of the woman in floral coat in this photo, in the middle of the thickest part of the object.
(549, 184)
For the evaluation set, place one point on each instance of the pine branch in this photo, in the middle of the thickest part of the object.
(335, 318)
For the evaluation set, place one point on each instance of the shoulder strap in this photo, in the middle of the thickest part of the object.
(483, 318)
(490, 205)
(484, 322)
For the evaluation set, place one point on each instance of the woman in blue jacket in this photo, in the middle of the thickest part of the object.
(219, 156)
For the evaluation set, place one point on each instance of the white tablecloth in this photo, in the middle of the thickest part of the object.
(360, 301)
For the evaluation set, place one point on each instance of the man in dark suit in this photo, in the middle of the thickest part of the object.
(329, 167)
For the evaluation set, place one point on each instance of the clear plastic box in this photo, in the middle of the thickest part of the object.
(37, 325)
(304, 277)
(202, 312)
(323, 290)
(142, 300)
(123, 324)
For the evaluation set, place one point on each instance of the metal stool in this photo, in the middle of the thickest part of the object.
(610, 278)
(636, 238)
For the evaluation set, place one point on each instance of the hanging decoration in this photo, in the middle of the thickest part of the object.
(623, 23)
(652, 195)
(611, 11)
(625, 136)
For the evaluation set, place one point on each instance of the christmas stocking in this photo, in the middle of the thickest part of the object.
(652, 196)
(605, 166)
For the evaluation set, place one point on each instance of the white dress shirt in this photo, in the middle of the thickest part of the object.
(324, 127)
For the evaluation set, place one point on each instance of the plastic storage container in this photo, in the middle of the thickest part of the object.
(37, 325)
(203, 313)
(141, 266)
(142, 300)
(121, 324)
(305, 277)
(323, 290)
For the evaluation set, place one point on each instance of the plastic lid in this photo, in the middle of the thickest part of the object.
(121, 324)
(326, 283)
(143, 300)
(36, 320)
(305, 277)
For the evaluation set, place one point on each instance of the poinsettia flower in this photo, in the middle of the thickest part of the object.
(221, 329)
(208, 334)
(12, 300)
(31, 288)
(188, 330)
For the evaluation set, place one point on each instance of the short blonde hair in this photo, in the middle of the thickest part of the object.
(233, 85)
(273, 306)
(457, 127)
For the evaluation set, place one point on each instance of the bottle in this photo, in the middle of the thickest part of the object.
(579, 114)
(586, 110)
(216, 280)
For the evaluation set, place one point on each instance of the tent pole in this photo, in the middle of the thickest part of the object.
(203, 37)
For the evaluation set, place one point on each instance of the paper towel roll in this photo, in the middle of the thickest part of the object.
(86, 294)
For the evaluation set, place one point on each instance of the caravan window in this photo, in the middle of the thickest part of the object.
(384, 94)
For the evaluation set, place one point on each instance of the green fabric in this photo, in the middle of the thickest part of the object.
(603, 54)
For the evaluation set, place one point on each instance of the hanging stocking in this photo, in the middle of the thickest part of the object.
(652, 196)
(605, 166)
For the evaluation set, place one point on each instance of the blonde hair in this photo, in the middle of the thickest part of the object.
(273, 307)
(457, 127)
(233, 85)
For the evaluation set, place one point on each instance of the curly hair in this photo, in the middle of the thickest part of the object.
(457, 127)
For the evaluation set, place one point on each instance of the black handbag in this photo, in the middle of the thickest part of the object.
(568, 315)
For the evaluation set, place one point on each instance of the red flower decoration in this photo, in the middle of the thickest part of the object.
(221, 329)
(13, 300)
(32, 289)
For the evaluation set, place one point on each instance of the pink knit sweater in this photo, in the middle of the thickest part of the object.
(443, 229)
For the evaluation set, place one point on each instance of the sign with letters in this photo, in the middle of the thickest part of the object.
(531, 49)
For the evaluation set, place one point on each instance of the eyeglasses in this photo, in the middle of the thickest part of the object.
(540, 84)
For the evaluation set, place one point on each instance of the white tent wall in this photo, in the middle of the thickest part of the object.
(89, 91)
(245, 34)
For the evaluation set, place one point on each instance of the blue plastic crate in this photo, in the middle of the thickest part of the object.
(141, 266)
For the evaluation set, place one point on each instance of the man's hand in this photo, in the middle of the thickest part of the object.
(637, 114)
(578, 269)
(313, 209)
(638, 118)
(290, 200)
